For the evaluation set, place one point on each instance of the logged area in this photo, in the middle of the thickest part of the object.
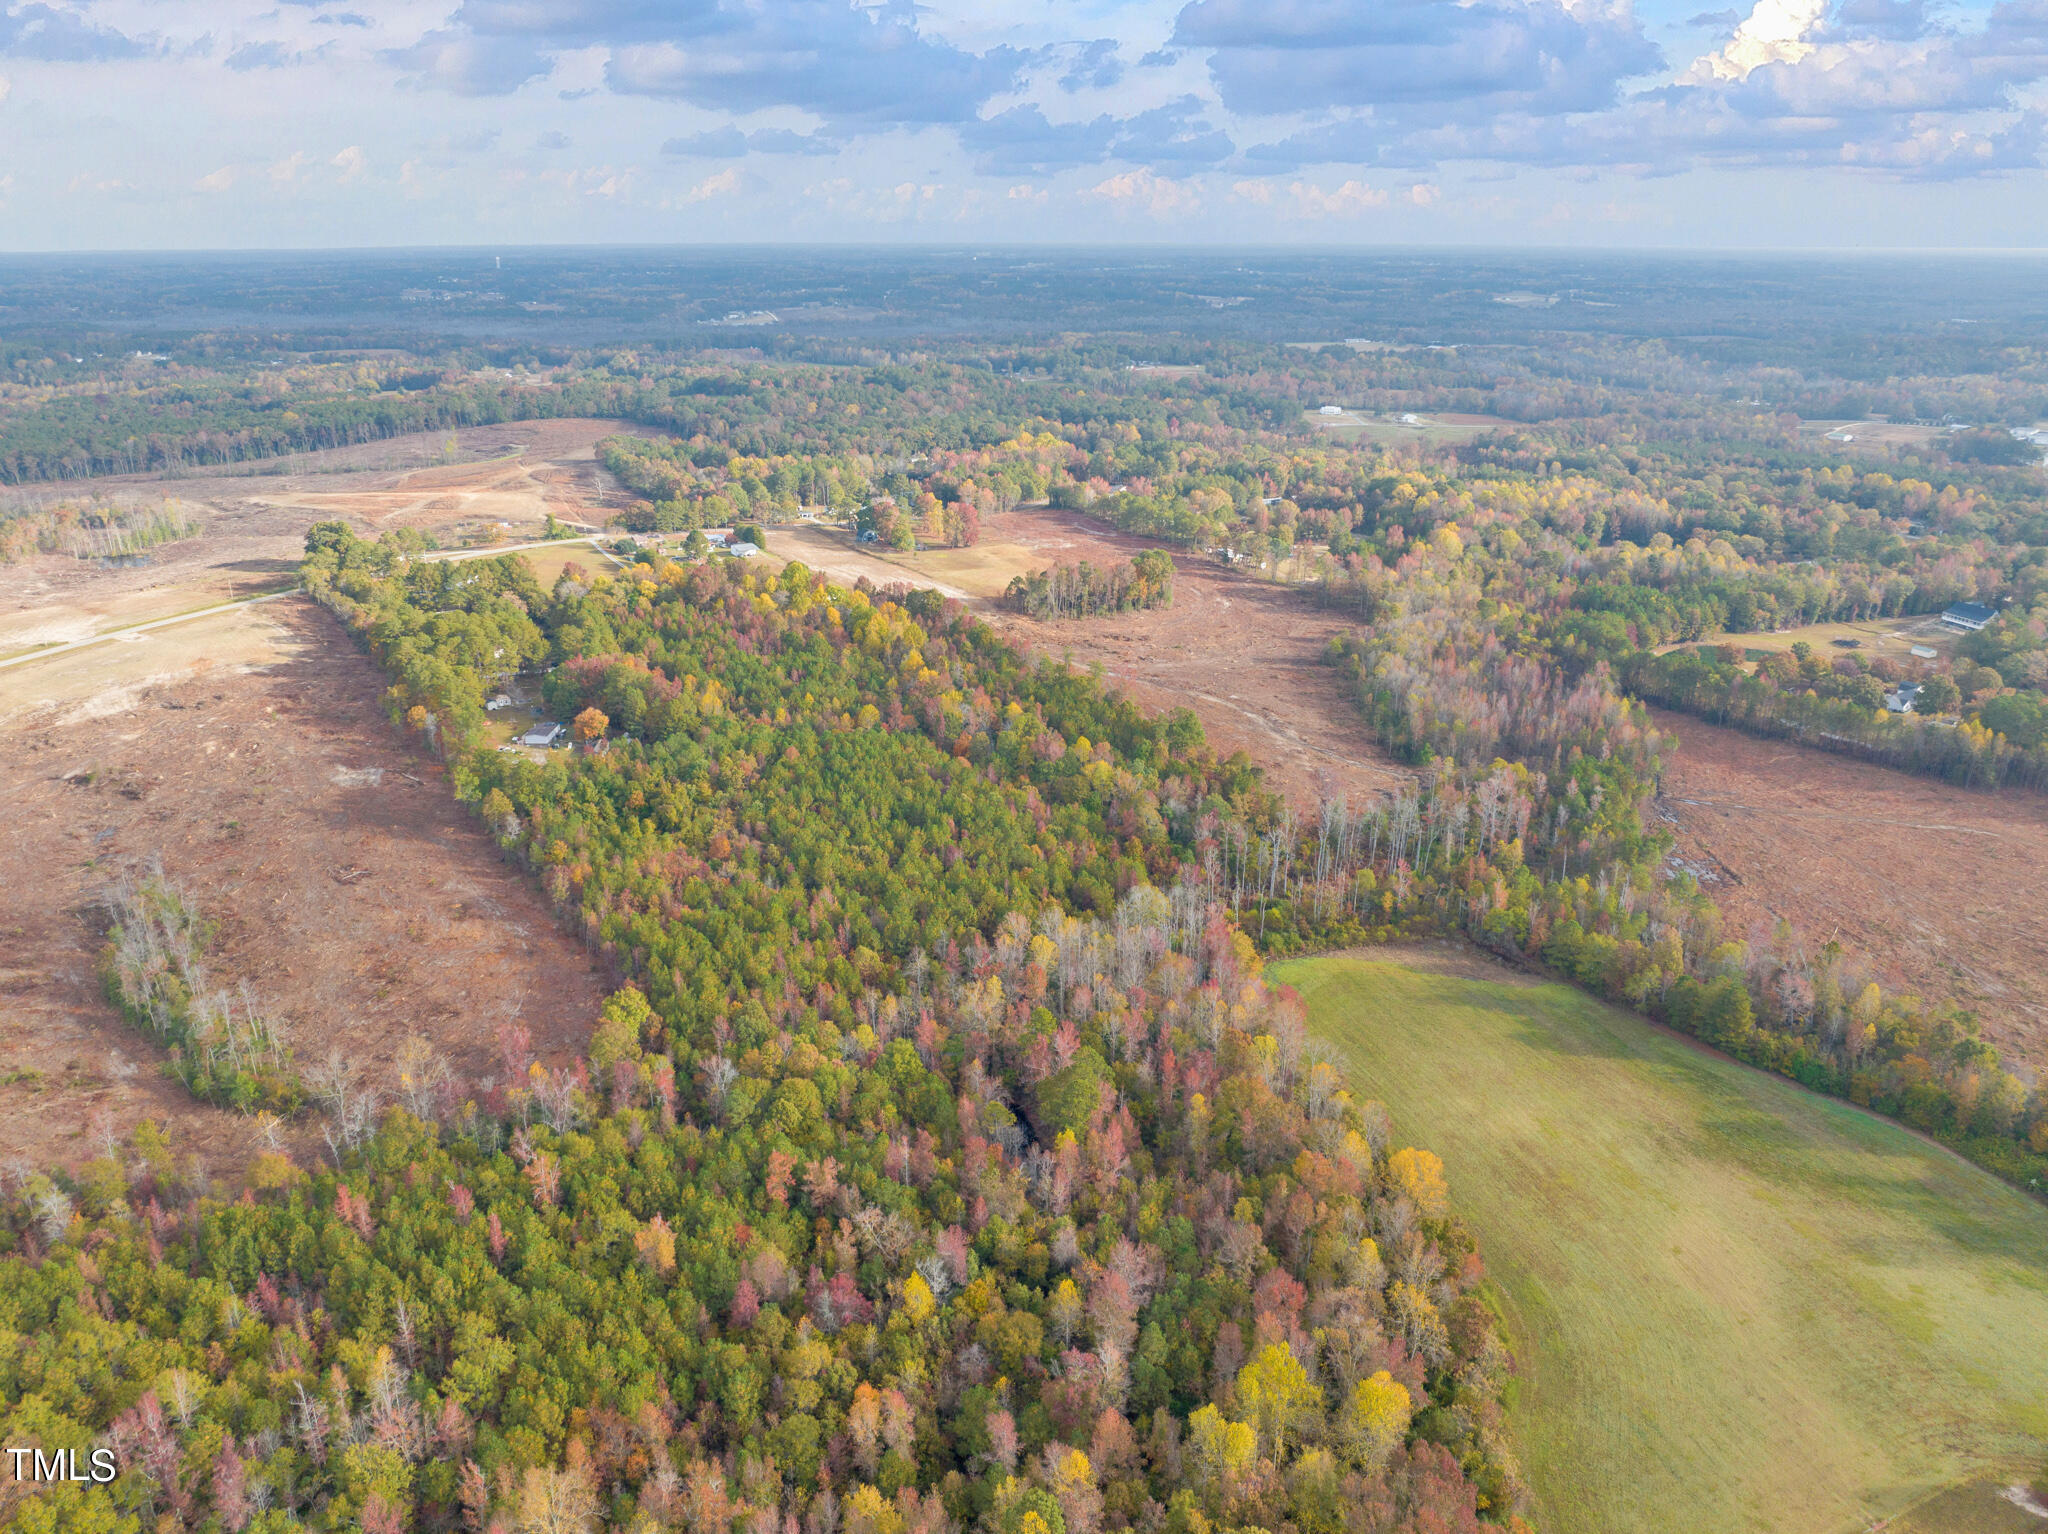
(354, 895)
(1244, 652)
(1928, 882)
(480, 484)
(1734, 1305)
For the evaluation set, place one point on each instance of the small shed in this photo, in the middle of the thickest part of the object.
(498, 701)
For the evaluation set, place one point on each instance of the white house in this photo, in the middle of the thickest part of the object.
(545, 734)
(1901, 701)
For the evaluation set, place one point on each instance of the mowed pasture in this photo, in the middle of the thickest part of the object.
(1734, 1305)
(1893, 638)
(1390, 430)
(981, 573)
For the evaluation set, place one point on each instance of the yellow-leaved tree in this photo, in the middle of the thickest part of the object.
(1224, 1450)
(1275, 1392)
(1418, 1175)
(1378, 1419)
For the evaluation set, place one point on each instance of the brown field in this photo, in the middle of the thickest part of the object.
(249, 753)
(980, 574)
(1940, 890)
(832, 553)
(256, 521)
(1243, 652)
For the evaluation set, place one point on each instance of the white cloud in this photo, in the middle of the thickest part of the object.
(723, 184)
(287, 171)
(1347, 201)
(1775, 32)
(218, 181)
(1141, 191)
(6, 85)
(352, 163)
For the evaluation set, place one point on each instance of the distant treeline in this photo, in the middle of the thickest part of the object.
(203, 419)
(1083, 591)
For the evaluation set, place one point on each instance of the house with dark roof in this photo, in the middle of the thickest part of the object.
(1968, 615)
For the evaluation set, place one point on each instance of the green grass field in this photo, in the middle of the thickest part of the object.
(1734, 1305)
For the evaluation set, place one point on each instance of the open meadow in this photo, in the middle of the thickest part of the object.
(1892, 638)
(1402, 428)
(1734, 1305)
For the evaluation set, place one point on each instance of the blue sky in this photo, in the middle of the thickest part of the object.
(1775, 123)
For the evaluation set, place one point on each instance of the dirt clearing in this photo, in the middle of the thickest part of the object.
(1246, 654)
(504, 482)
(354, 895)
(1940, 890)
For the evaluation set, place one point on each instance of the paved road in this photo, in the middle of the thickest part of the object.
(140, 628)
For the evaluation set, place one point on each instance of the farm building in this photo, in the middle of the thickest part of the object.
(1901, 700)
(545, 734)
(1967, 615)
(742, 550)
(1330, 410)
(1922, 652)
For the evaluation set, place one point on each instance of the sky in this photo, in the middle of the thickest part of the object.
(1811, 124)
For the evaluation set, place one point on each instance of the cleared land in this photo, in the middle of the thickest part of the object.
(1395, 428)
(1937, 888)
(504, 482)
(355, 896)
(1893, 638)
(1735, 1306)
(1245, 653)
(1873, 433)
